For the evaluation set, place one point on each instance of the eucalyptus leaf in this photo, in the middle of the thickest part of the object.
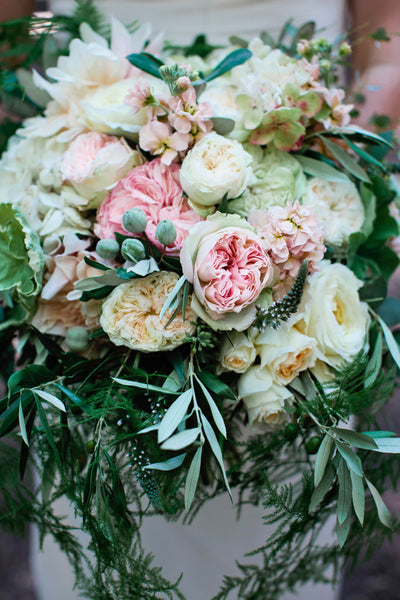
(321, 460)
(352, 460)
(182, 439)
(354, 438)
(358, 496)
(50, 398)
(223, 125)
(167, 465)
(318, 168)
(235, 58)
(145, 63)
(174, 415)
(391, 342)
(192, 477)
(212, 440)
(345, 159)
(345, 492)
(218, 420)
(144, 386)
(383, 513)
(323, 488)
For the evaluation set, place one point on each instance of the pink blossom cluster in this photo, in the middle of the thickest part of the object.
(154, 188)
(291, 234)
(174, 123)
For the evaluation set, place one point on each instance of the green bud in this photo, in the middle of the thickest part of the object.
(107, 249)
(166, 232)
(133, 249)
(91, 446)
(77, 339)
(134, 220)
(313, 444)
(291, 431)
(344, 49)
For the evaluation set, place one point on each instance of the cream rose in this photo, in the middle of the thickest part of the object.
(286, 352)
(130, 314)
(226, 262)
(215, 166)
(332, 313)
(237, 352)
(338, 206)
(263, 398)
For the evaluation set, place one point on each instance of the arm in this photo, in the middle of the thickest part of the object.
(377, 64)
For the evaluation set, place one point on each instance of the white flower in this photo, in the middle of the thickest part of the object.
(263, 398)
(130, 314)
(285, 351)
(213, 168)
(332, 313)
(237, 352)
(338, 206)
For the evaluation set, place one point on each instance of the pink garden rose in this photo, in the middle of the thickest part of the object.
(224, 259)
(154, 188)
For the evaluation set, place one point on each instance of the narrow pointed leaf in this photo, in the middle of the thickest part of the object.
(352, 460)
(391, 342)
(219, 421)
(145, 63)
(171, 297)
(150, 428)
(380, 434)
(212, 440)
(50, 398)
(144, 386)
(383, 513)
(321, 460)
(389, 445)
(318, 168)
(46, 426)
(174, 415)
(167, 465)
(182, 439)
(374, 365)
(22, 425)
(345, 492)
(354, 438)
(237, 57)
(358, 496)
(345, 159)
(323, 488)
(192, 478)
(343, 530)
(216, 385)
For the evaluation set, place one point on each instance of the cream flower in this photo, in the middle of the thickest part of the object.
(130, 314)
(332, 313)
(338, 206)
(263, 398)
(237, 352)
(213, 168)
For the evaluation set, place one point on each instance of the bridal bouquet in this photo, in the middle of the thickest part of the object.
(195, 252)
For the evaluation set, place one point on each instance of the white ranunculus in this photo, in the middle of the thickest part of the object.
(215, 166)
(332, 313)
(237, 352)
(264, 398)
(131, 314)
(286, 352)
(339, 208)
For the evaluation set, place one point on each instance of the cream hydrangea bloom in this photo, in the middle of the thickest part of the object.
(131, 314)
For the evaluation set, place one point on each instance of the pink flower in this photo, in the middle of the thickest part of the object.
(186, 113)
(157, 138)
(140, 95)
(291, 234)
(155, 188)
(228, 266)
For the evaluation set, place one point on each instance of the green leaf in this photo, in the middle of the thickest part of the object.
(354, 438)
(318, 168)
(46, 427)
(369, 202)
(95, 264)
(22, 425)
(361, 153)
(375, 362)
(389, 445)
(223, 125)
(321, 460)
(379, 434)
(9, 418)
(343, 530)
(182, 439)
(343, 157)
(146, 63)
(90, 480)
(144, 386)
(383, 513)
(192, 478)
(212, 440)
(352, 460)
(50, 398)
(75, 398)
(358, 496)
(345, 492)
(216, 385)
(24, 455)
(391, 342)
(218, 420)
(361, 134)
(172, 296)
(389, 311)
(174, 415)
(148, 429)
(323, 488)
(235, 58)
(167, 465)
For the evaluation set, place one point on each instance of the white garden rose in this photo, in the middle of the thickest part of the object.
(332, 313)
(237, 352)
(264, 398)
(215, 166)
(286, 352)
(338, 206)
(131, 314)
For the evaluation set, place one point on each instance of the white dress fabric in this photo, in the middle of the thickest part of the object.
(206, 550)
